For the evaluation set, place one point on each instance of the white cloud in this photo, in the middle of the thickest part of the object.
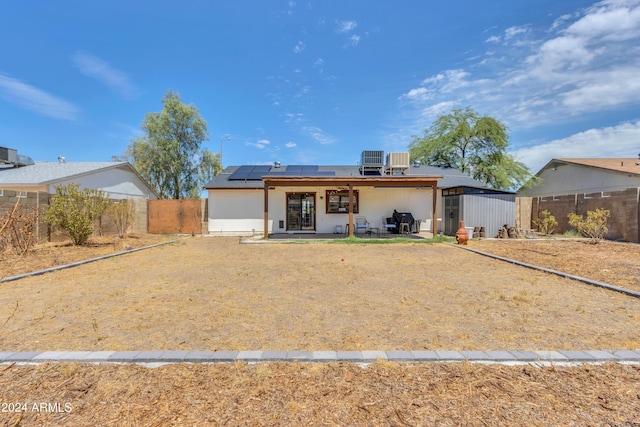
(318, 135)
(615, 141)
(94, 67)
(260, 144)
(36, 100)
(299, 47)
(354, 40)
(511, 32)
(290, 144)
(419, 94)
(585, 63)
(346, 26)
(434, 111)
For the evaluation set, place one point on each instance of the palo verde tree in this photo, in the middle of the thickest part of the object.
(169, 154)
(476, 145)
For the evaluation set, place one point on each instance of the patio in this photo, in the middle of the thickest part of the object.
(333, 236)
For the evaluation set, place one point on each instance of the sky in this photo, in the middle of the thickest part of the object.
(319, 81)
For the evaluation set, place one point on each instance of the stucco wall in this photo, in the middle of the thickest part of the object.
(572, 179)
(117, 183)
(241, 212)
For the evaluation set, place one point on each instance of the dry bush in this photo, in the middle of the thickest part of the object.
(122, 214)
(594, 226)
(546, 223)
(18, 230)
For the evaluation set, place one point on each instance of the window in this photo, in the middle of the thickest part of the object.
(21, 194)
(338, 201)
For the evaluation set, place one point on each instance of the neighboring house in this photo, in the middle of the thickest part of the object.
(315, 199)
(118, 179)
(32, 184)
(578, 185)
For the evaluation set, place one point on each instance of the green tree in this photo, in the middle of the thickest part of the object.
(476, 145)
(169, 154)
(73, 211)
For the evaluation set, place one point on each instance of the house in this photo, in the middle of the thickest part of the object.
(263, 199)
(118, 179)
(31, 184)
(578, 185)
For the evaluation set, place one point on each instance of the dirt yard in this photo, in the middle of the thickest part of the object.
(217, 294)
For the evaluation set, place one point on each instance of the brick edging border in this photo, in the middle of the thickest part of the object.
(556, 272)
(181, 356)
(86, 261)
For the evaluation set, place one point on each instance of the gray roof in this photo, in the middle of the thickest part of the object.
(42, 173)
(450, 177)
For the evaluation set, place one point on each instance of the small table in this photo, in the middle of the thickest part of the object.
(370, 231)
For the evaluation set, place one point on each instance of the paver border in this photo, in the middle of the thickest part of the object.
(86, 261)
(326, 356)
(551, 271)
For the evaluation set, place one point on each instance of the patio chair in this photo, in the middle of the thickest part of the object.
(361, 224)
(389, 224)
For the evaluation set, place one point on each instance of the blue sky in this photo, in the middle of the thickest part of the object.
(317, 82)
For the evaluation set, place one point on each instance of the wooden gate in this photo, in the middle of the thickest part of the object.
(175, 216)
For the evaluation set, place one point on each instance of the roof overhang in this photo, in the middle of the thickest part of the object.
(354, 181)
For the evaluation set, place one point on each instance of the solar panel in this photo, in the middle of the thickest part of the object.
(241, 173)
(249, 173)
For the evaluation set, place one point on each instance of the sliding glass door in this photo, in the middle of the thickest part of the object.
(301, 211)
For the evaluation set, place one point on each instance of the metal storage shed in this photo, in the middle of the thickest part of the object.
(478, 207)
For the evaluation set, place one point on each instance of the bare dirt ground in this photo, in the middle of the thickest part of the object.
(215, 294)
(609, 262)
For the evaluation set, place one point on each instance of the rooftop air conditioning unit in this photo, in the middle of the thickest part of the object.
(371, 162)
(397, 163)
(8, 155)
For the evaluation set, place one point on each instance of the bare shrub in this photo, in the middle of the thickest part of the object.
(122, 214)
(18, 230)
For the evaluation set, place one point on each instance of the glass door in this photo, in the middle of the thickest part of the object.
(301, 211)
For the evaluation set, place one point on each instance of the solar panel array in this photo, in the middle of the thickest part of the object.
(255, 173)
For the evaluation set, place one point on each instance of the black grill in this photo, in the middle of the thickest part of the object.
(401, 217)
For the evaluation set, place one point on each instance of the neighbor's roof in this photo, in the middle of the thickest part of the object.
(46, 173)
(626, 165)
(450, 177)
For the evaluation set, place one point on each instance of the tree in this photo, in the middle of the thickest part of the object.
(169, 156)
(73, 211)
(476, 145)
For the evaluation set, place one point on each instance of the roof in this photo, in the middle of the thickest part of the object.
(48, 173)
(450, 177)
(42, 173)
(626, 165)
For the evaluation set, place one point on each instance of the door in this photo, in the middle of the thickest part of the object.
(301, 211)
(451, 214)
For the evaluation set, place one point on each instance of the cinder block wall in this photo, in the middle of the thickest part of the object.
(624, 207)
